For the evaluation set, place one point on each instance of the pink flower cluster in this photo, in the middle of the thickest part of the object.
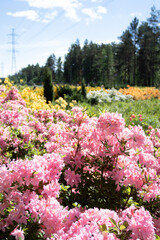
(20, 129)
(13, 95)
(23, 181)
(73, 144)
(87, 224)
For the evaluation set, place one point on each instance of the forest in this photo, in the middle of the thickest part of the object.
(134, 60)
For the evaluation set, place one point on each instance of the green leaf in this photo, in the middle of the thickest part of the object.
(122, 227)
(1, 197)
(64, 188)
(75, 204)
(157, 237)
(113, 230)
(128, 190)
(103, 228)
(125, 224)
(113, 222)
(34, 173)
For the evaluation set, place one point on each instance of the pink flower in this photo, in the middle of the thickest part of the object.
(133, 115)
(18, 234)
(140, 222)
(111, 123)
(72, 178)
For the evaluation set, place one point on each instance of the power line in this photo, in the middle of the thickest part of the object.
(29, 26)
(66, 30)
(13, 42)
(48, 24)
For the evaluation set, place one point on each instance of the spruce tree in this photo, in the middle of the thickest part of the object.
(83, 88)
(48, 85)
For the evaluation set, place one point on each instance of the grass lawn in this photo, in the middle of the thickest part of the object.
(149, 109)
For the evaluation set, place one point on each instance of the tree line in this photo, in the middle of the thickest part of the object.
(134, 60)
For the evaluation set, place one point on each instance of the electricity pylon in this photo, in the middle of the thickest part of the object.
(13, 42)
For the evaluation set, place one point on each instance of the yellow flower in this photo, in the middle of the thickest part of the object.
(63, 105)
(57, 107)
(71, 105)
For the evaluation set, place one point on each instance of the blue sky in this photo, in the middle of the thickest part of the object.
(43, 27)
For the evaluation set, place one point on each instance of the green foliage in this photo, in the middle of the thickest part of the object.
(23, 150)
(83, 88)
(149, 109)
(59, 71)
(157, 237)
(51, 63)
(95, 191)
(69, 93)
(48, 85)
(30, 229)
(30, 75)
(120, 229)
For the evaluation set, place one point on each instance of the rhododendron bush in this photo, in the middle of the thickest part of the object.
(64, 175)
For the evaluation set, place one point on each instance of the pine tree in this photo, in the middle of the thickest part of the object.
(145, 53)
(125, 55)
(51, 63)
(134, 32)
(48, 85)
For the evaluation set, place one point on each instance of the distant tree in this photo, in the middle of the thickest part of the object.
(30, 75)
(59, 71)
(73, 64)
(154, 23)
(106, 65)
(125, 54)
(91, 63)
(51, 63)
(134, 36)
(48, 85)
(145, 41)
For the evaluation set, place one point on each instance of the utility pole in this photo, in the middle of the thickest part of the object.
(13, 42)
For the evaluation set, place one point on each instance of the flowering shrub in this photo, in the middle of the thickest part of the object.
(68, 176)
(109, 95)
(141, 93)
(34, 98)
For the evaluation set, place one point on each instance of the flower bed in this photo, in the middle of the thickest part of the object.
(141, 93)
(68, 176)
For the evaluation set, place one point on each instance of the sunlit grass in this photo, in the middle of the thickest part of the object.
(149, 109)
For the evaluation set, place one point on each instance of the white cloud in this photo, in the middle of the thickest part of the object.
(72, 14)
(136, 14)
(94, 13)
(54, 3)
(29, 14)
(69, 6)
(102, 10)
(49, 16)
